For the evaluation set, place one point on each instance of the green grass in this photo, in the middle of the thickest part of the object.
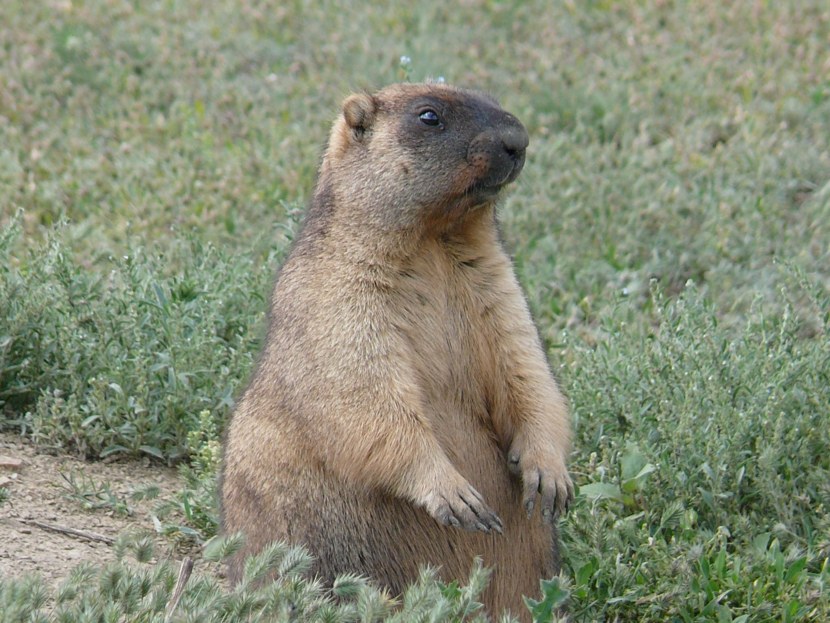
(671, 228)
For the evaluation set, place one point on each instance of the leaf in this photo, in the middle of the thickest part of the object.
(112, 450)
(634, 484)
(586, 572)
(152, 451)
(795, 569)
(162, 299)
(451, 590)
(189, 532)
(554, 593)
(219, 548)
(601, 491)
(89, 420)
(348, 585)
(760, 542)
(632, 462)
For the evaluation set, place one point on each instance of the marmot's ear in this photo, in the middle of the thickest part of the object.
(359, 113)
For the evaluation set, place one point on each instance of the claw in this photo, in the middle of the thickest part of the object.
(513, 464)
(529, 506)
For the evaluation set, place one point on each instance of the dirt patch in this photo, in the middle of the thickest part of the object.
(37, 498)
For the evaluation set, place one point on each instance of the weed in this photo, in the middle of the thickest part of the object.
(141, 590)
(124, 363)
(92, 494)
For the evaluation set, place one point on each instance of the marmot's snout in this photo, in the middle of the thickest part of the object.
(514, 140)
(499, 152)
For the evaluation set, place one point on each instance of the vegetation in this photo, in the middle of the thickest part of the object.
(144, 590)
(671, 229)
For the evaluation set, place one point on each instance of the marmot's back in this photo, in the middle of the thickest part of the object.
(402, 413)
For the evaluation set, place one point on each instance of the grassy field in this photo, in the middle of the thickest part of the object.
(671, 229)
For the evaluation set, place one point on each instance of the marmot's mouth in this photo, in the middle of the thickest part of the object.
(487, 188)
(482, 192)
(498, 177)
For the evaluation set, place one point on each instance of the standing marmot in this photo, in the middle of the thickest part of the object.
(403, 413)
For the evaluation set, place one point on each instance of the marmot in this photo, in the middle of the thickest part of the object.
(403, 413)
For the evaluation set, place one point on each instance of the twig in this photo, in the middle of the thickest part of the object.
(184, 575)
(81, 534)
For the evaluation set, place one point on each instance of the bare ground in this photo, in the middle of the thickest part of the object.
(37, 505)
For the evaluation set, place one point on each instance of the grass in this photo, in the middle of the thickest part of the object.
(671, 229)
(137, 589)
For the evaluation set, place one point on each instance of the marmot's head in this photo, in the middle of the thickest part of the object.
(421, 152)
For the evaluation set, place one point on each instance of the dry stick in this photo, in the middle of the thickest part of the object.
(184, 575)
(81, 534)
(184, 572)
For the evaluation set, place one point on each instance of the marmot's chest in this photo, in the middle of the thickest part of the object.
(443, 309)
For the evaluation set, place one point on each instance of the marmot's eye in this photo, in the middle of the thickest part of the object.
(429, 117)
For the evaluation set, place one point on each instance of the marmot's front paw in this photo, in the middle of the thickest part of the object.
(543, 473)
(463, 507)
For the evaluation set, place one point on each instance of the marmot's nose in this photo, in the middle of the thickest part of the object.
(514, 138)
(498, 153)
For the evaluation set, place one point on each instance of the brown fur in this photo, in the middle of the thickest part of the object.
(403, 384)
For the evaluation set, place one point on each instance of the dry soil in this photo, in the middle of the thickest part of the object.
(37, 498)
